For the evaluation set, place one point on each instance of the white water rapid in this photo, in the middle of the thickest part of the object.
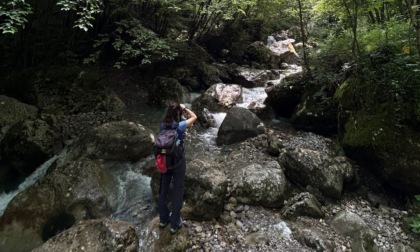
(5, 198)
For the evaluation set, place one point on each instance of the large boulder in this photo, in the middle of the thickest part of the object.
(188, 77)
(95, 236)
(260, 54)
(285, 50)
(12, 111)
(79, 190)
(261, 185)
(313, 168)
(389, 151)
(164, 89)
(211, 74)
(115, 141)
(219, 97)
(205, 189)
(64, 90)
(206, 184)
(160, 239)
(285, 96)
(362, 238)
(316, 113)
(238, 125)
(29, 144)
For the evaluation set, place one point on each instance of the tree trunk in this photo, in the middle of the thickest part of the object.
(353, 20)
(302, 31)
(416, 23)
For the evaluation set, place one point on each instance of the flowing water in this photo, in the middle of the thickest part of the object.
(133, 199)
(5, 198)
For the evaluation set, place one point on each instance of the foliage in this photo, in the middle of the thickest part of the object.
(13, 15)
(416, 220)
(85, 11)
(329, 62)
(133, 42)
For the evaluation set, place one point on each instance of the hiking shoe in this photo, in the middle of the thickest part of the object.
(175, 229)
(163, 224)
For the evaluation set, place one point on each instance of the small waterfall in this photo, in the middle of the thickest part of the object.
(39, 173)
(208, 137)
(133, 193)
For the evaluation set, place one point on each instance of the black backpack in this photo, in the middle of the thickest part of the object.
(168, 149)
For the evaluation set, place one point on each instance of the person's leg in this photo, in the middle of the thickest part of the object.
(165, 181)
(178, 194)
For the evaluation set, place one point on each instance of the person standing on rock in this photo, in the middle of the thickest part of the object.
(174, 117)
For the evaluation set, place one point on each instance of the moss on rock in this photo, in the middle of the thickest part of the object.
(374, 139)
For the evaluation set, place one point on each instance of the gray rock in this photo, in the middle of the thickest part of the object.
(314, 238)
(304, 204)
(78, 190)
(164, 89)
(238, 125)
(261, 185)
(274, 145)
(205, 189)
(29, 144)
(94, 235)
(349, 224)
(307, 167)
(12, 111)
(116, 141)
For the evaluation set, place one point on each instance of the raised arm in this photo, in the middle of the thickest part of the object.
(192, 117)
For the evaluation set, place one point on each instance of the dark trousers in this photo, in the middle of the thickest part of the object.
(178, 175)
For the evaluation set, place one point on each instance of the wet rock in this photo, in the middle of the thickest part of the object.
(250, 78)
(207, 119)
(78, 190)
(239, 124)
(219, 97)
(263, 111)
(29, 144)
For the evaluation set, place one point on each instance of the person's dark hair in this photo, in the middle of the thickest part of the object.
(173, 113)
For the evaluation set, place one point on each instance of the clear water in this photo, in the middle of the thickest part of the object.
(132, 199)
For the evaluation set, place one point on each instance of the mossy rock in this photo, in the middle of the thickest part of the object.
(344, 94)
(374, 139)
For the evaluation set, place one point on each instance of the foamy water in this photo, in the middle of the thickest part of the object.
(5, 198)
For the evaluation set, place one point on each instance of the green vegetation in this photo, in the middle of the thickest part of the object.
(13, 14)
(362, 53)
(415, 225)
